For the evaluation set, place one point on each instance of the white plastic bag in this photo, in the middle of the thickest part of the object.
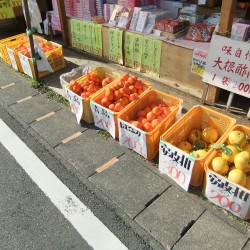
(35, 15)
(42, 64)
(74, 74)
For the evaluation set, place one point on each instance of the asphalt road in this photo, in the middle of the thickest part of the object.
(28, 217)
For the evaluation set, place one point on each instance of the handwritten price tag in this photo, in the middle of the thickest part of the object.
(133, 138)
(227, 195)
(75, 104)
(12, 58)
(25, 65)
(176, 164)
(103, 118)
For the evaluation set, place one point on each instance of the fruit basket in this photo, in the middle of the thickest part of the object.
(7, 41)
(226, 180)
(113, 100)
(149, 117)
(53, 53)
(20, 46)
(102, 73)
(13, 49)
(198, 117)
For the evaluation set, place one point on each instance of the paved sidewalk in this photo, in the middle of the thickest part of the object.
(174, 218)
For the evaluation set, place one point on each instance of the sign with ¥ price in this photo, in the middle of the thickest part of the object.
(227, 195)
(132, 137)
(103, 118)
(75, 104)
(175, 163)
(228, 65)
(199, 61)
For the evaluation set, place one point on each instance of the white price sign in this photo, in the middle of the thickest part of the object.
(227, 195)
(228, 65)
(12, 59)
(75, 104)
(25, 64)
(175, 163)
(132, 137)
(103, 118)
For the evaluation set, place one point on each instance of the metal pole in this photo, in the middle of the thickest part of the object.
(28, 24)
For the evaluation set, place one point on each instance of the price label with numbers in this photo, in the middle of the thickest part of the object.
(132, 137)
(25, 65)
(75, 104)
(176, 164)
(227, 195)
(103, 118)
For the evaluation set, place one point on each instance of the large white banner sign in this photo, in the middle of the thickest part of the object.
(228, 65)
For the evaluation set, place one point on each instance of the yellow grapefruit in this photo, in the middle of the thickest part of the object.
(185, 146)
(194, 135)
(230, 158)
(237, 137)
(209, 135)
(220, 165)
(237, 176)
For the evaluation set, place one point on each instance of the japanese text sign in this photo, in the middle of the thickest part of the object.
(132, 137)
(86, 36)
(199, 61)
(137, 51)
(75, 104)
(175, 163)
(151, 56)
(103, 118)
(129, 49)
(6, 8)
(227, 195)
(115, 45)
(228, 65)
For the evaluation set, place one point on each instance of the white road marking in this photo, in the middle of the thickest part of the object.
(83, 220)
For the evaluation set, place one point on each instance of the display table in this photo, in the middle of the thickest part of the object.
(176, 59)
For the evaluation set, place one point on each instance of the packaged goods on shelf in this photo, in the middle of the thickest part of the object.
(200, 32)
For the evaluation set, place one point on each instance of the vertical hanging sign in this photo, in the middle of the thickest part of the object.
(129, 49)
(73, 32)
(115, 45)
(137, 51)
(98, 39)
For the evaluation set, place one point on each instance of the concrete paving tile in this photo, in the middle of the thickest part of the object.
(130, 185)
(7, 75)
(16, 92)
(210, 232)
(89, 151)
(57, 127)
(35, 107)
(167, 217)
(247, 246)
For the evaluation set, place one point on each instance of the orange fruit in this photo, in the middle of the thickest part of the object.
(109, 95)
(153, 105)
(118, 107)
(157, 110)
(143, 121)
(150, 116)
(112, 107)
(155, 123)
(140, 119)
(141, 113)
(147, 127)
(105, 102)
(147, 109)
(137, 124)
